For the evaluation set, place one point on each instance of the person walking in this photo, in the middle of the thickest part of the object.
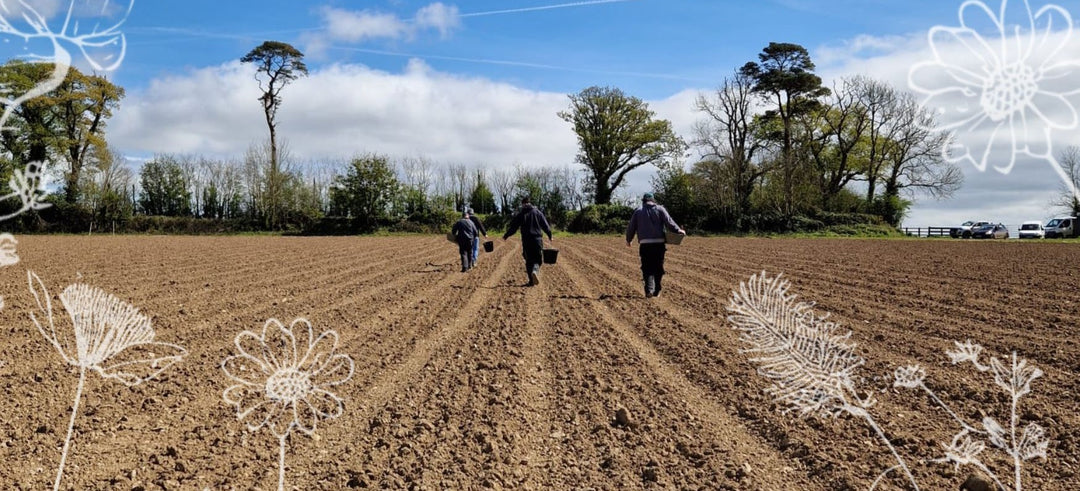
(533, 225)
(476, 240)
(648, 224)
(465, 232)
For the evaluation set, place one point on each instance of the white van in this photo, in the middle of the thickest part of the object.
(1063, 227)
(1032, 230)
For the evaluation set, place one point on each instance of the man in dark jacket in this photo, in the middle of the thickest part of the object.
(533, 225)
(465, 232)
(476, 240)
(648, 224)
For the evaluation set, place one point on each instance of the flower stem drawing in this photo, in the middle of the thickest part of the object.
(282, 379)
(110, 337)
(811, 362)
(1015, 380)
(806, 356)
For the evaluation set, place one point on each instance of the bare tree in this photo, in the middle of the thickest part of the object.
(913, 157)
(502, 182)
(1067, 201)
(730, 139)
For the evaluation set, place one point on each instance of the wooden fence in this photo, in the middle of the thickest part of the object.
(927, 231)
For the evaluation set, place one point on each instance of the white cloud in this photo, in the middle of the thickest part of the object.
(353, 27)
(342, 110)
(439, 16)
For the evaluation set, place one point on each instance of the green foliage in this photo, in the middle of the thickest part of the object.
(617, 134)
(482, 200)
(601, 219)
(890, 208)
(65, 125)
(165, 189)
(366, 191)
(676, 189)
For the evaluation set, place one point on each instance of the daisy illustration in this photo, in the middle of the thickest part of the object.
(110, 337)
(1001, 83)
(283, 377)
(102, 48)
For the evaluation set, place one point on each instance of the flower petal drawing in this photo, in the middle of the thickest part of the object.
(1033, 442)
(245, 369)
(283, 374)
(1005, 64)
(141, 362)
(995, 432)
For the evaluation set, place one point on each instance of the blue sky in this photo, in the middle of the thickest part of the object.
(480, 82)
(650, 48)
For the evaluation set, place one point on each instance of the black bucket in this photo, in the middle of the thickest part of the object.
(550, 256)
(489, 246)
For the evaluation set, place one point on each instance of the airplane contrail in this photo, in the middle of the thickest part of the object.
(542, 7)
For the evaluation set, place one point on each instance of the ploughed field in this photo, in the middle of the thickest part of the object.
(470, 381)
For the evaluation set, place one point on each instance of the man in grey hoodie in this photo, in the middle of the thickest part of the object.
(648, 224)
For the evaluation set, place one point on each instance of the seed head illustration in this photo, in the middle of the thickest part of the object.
(103, 48)
(283, 377)
(109, 336)
(1003, 82)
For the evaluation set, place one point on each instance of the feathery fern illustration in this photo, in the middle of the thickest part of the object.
(808, 358)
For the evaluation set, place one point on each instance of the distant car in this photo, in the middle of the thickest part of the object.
(965, 229)
(1063, 227)
(990, 231)
(1032, 230)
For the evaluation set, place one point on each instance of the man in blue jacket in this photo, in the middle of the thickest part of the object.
(533, 225)
(648, 224)
(464, 231)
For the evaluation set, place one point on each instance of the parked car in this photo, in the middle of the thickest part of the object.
(965, 229)
(1062, 227)
(990, 231)
(1032, 230)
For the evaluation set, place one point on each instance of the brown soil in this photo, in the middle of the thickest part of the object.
(472, 381)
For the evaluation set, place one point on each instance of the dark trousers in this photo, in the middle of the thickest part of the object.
(652, 266)
(465, 249)
(532, 249)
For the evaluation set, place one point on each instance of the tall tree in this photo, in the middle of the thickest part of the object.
(732, 138)
(617, 134)
(277, 64)
(66, 124)
(784, 76)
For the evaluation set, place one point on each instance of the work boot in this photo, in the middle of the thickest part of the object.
(650, 286)
(656, 290)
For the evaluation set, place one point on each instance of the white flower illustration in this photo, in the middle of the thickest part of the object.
(8, 254)
(102, 48)
(283, 379)
(110, 337)
(964, 450)
(999, 82)
(909, 377)
(967, 351)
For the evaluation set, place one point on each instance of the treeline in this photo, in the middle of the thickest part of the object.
(774, 150)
